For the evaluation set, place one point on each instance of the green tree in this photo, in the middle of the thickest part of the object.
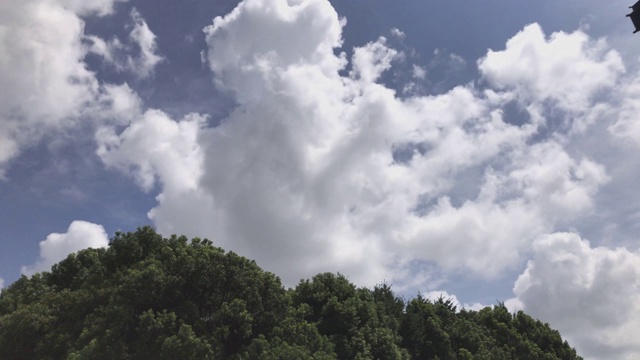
(149, 297)
(359, 326)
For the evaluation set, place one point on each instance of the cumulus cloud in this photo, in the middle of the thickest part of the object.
(80, 235)
(156, 147)
(591, 294)
(90, 7)
(241, 54)
(371, 60)
(318, 171)
(569, 69)
(42, 62)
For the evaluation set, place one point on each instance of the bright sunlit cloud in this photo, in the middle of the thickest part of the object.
(566, 276)
(55, 248)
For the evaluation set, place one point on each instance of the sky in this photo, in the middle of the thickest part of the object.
(484, 151)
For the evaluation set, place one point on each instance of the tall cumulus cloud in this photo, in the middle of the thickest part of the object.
(320, 170)
(321, 167)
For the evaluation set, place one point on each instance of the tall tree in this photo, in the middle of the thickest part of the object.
(149, 297)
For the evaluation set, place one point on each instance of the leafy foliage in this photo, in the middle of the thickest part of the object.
(146, 297)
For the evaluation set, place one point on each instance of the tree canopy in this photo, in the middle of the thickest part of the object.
(148, 297)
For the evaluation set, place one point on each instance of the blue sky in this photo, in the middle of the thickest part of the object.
(480, 150)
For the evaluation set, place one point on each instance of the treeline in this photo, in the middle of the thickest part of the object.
(145, 297)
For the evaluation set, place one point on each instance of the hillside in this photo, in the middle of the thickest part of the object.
(146, 297)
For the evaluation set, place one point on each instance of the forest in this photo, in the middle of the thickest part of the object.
(149, 297)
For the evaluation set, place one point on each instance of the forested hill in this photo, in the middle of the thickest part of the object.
(145, 297)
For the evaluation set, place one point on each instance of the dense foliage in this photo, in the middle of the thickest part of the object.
(146, 297)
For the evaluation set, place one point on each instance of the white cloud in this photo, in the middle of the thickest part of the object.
(89, 7)
(141, 40)
(107, 50)
(591, 294)
(314, 171)
(627, 122)
(556, 183)
(56, 247)
(569, 69)
(488, 233)
(397, 33)
(118, 104)
(156, 146)
(240, 54)
(145, 39)
(371, 60)
(1, 284)
(42, 62)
